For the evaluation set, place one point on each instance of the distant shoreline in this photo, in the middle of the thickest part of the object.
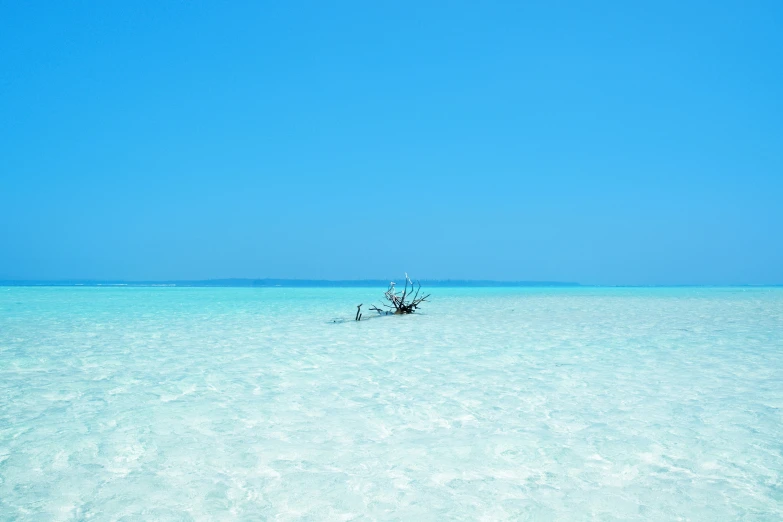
(286, 283)
(347, 283)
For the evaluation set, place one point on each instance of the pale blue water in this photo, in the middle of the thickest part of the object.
(502, 404)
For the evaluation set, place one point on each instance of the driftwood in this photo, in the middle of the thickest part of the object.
(400, 303)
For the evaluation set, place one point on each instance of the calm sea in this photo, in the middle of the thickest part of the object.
(493, 404)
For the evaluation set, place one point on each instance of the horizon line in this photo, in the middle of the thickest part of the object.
(336, 283)
(270, 282)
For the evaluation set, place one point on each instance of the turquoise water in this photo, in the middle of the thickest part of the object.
(501, 404)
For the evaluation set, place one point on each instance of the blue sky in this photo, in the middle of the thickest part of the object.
(599, 142)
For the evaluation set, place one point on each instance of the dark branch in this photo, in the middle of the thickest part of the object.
(405, 303)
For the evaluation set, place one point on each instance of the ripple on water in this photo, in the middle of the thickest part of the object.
(193, 404)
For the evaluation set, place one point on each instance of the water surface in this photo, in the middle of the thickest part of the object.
(495, 404)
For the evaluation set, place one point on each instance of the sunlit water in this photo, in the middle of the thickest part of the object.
(494, 404)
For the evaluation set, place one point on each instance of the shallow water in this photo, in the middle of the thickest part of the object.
(495, 404)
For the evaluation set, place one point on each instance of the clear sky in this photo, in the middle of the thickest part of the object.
(598, 142)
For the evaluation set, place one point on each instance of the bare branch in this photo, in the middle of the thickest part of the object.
(405, 303)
